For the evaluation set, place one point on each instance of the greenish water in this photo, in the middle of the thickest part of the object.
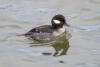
(61, 43)
(19, 16)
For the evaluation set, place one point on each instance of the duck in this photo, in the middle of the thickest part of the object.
(48, 32)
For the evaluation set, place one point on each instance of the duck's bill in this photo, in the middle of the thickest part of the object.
(67, 25)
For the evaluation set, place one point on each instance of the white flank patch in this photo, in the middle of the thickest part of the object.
(56, 21)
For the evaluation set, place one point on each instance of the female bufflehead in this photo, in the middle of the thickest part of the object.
(48, 32)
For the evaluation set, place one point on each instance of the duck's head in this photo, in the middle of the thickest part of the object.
(58, 21)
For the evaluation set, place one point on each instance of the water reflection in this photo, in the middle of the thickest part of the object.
(60, 44)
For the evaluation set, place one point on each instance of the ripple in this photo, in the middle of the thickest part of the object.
(94, 1)
(93, 18)
(45, 10)
(6, 5)
(71, 16)
(85, 28)
(29, 52)
(86, 65)
(95, 52)
(85, 9)
(91, 27)
(11, 26)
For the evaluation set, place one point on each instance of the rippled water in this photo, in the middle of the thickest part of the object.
(19, 16)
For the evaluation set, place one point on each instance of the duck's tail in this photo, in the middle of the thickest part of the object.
(29, 34)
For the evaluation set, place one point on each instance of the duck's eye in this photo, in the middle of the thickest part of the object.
(56, 21)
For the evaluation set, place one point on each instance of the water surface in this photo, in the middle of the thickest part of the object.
(19, 16)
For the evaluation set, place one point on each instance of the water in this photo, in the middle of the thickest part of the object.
(19, 16)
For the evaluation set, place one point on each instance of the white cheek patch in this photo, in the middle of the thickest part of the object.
(56, 21)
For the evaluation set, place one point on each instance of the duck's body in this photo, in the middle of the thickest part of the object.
(48, 32)
(45, 32)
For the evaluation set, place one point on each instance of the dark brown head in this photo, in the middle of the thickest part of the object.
(58, 21)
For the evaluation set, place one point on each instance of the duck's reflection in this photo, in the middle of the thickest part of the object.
(60, 44)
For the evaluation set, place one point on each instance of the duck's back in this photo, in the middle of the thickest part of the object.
(41, 33)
